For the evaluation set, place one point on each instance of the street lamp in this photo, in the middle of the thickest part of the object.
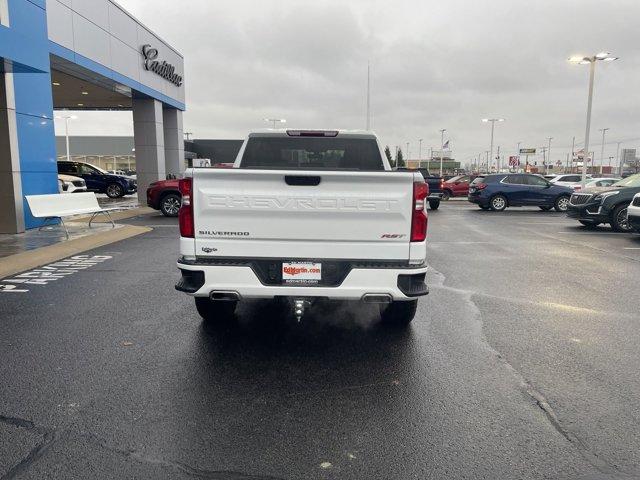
(591, 61)
(441, 147)
(420, 153)
(66, 119)
(549, 155)
(275, 120)
(493, 124)
(604, 131)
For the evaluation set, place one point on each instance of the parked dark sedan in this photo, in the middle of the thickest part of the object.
(593, 207)
(98, 180)
(499, 191)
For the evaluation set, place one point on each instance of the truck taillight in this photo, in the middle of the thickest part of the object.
(442, 184)
(185, 214)
(419, 214)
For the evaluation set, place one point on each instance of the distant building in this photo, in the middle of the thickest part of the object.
(449, 165)
(118, 153)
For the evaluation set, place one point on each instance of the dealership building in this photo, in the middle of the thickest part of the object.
(81, 55)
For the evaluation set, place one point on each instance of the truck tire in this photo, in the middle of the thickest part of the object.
(215, 313)
(434, 204)
(446, 195)
(619, 222)
(399, 314)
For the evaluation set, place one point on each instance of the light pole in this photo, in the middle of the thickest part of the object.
(549, 154)
(591, 61)
(604, 131)
(493, 124)
(407, 153)
(618, 158)
(275, 120)
(441, 147)
(66, 119)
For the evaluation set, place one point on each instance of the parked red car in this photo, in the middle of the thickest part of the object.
(164, 195)
(456, 187)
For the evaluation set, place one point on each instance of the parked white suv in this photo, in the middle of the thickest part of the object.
(633, 213)
(570, 180)
(71, 184)
(304, 215)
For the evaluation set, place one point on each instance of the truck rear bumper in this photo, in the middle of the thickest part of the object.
(202, 280)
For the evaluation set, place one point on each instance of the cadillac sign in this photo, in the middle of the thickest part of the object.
(164, 69)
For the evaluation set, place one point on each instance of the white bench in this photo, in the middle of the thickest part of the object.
(58, 205)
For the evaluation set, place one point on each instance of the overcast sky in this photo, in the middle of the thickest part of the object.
(434, 65)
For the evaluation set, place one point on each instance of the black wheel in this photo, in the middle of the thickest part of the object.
(589, 224)
(619, 220)
(215, 313)
(170, 204)
(399, 314)
(498, 203)
(446, 195)
(545, 209)
(434, 204)
(561, 204)
(114, 191)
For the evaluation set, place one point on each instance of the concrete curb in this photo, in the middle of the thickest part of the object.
(23, 261)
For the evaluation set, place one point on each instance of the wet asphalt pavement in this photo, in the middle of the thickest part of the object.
(523, 362)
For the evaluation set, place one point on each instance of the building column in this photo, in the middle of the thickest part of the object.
(173, 141)
(12, 218)
(148, 138)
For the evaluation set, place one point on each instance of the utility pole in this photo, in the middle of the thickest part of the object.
(420, 153)
(573, 149)
(441, 147)
(604, 131)
(498, 160)
(407, 153)
(368, 97)
(618, 158)
(549, 154)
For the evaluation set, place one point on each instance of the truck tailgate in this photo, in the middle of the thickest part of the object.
(302, 214)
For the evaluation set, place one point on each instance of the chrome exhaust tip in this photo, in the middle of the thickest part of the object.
(224, 296)
(377, 298)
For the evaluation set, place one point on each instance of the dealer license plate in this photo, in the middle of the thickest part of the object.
(307, 273)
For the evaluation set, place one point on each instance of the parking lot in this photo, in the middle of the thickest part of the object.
(521, 363)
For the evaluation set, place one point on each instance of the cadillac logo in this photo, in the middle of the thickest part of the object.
(164, 69)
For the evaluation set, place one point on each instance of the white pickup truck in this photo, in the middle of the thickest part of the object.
(304, 215)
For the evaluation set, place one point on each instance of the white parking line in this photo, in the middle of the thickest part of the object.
(632, 248)
(590, 233)
(459, 243)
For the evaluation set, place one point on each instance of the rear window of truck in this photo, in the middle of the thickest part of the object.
(309, 153)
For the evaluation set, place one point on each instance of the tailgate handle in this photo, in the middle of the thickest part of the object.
(302, 180)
